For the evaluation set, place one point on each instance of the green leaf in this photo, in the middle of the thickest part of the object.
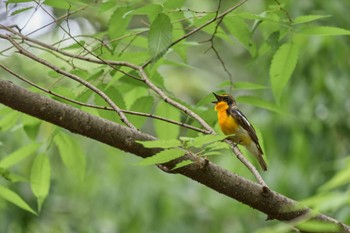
(151, 10)
(173, 4)
(16, 12)
(18, 155)
(71, 154)
(142, 105)
(282, 66)
(340, 179)
(63, 4)
(8, 121)
(40, 178)
(318, 226)
(118, 23)
(163, 129)
(160, 36)
(309, 18)
(161, 143)
(206, 139)
(162, 157)
(325, 31)
(13, 197)
(239, 29)
(243, 85)
(257, 101)
(182, 164)
(17, 1)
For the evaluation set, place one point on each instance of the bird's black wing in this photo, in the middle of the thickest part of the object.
(243, 121)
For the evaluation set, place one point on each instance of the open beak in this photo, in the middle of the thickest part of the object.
(217, 97)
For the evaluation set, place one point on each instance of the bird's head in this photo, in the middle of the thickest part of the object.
(228, 99)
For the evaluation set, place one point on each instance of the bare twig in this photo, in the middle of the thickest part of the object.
(71, 76)
(223, 14)
(101, 107)
(174, 103)
(247, 163)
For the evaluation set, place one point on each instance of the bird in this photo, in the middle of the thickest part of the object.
(233, 122)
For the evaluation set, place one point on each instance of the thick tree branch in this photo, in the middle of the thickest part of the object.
(275, 205)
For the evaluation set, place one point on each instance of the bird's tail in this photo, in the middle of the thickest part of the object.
(255, 150)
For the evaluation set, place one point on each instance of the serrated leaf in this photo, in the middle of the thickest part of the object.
(160, 36)
(163, 129)
(206, 139)
(325, 31)
(18, 155)
(40, 178)
(309, 18)
(257, 101)
(15, 199)
(71, 154)
(282, 66)
(182, 164)
(162, 157)
(161, 143)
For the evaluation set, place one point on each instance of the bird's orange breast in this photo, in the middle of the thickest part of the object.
(227, 124)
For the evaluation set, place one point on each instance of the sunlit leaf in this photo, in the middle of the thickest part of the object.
(163, 157)
(160, 36)
(15, 199)
(18, 155)
(282, 66)
(40, 178)
(161, 143)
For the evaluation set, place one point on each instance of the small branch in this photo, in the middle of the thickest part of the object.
(247, 163)
(101, 107)
(200, 27)
(174, 103)
(71, 76)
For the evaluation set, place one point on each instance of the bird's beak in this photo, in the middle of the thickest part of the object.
(217, 97)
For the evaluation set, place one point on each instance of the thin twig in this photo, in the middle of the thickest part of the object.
(170, 101)
(247, 163)
(71, 76)
(223, 14)
(101, 107)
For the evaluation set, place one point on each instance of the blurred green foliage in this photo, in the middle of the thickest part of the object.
(304, 122)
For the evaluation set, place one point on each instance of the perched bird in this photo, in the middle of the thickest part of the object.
(232, 121)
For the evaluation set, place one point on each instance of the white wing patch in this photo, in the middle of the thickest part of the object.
(244, 118)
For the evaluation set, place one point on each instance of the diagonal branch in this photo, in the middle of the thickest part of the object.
(275, 205)
(71, 76)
